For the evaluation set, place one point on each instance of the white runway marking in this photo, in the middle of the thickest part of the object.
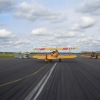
(37, 90)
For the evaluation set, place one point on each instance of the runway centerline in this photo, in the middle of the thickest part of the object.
(37, 90)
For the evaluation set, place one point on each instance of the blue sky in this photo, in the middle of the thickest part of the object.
(25, 24)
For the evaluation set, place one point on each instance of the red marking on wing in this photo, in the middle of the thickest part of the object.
(65, 48)
(42, 48)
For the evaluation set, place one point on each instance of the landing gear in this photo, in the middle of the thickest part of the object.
(59, 60)
(51, 60)
(96, 57)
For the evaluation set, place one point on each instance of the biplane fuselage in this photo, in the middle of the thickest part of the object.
(51, 56)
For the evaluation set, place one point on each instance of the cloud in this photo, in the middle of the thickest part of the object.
(46, 38)
(87, 42)
(85, 22)
(54, 43)
(6, 5)
(81, 42)
(41, 32)
(75, 27)
(22, 42)
(89, 6)
(56, 19)
(81, 35)
(7, 38)
(35, 12)
(4, 34)
(65, 35)
(19, 43)
(6, 43)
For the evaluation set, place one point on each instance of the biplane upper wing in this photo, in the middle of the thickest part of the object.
(66, 48)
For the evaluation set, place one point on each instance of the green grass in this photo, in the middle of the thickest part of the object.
(12, 55)
(88, 54)
(6, 55)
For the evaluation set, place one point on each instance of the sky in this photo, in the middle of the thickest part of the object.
(28, 24)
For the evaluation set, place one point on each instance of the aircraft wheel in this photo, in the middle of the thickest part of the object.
(96, 57)
(59, 60)
(51, 60)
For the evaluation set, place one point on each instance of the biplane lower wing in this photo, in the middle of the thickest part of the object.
(59, 57)
(67, 56)
(38, 56)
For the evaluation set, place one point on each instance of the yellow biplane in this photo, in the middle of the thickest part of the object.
(54, 54)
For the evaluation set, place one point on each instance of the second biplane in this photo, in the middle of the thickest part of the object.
(90, 54)
(54, 54)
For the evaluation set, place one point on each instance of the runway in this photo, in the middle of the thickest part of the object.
(71, 79)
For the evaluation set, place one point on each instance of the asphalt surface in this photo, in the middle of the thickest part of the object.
(71, 79)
